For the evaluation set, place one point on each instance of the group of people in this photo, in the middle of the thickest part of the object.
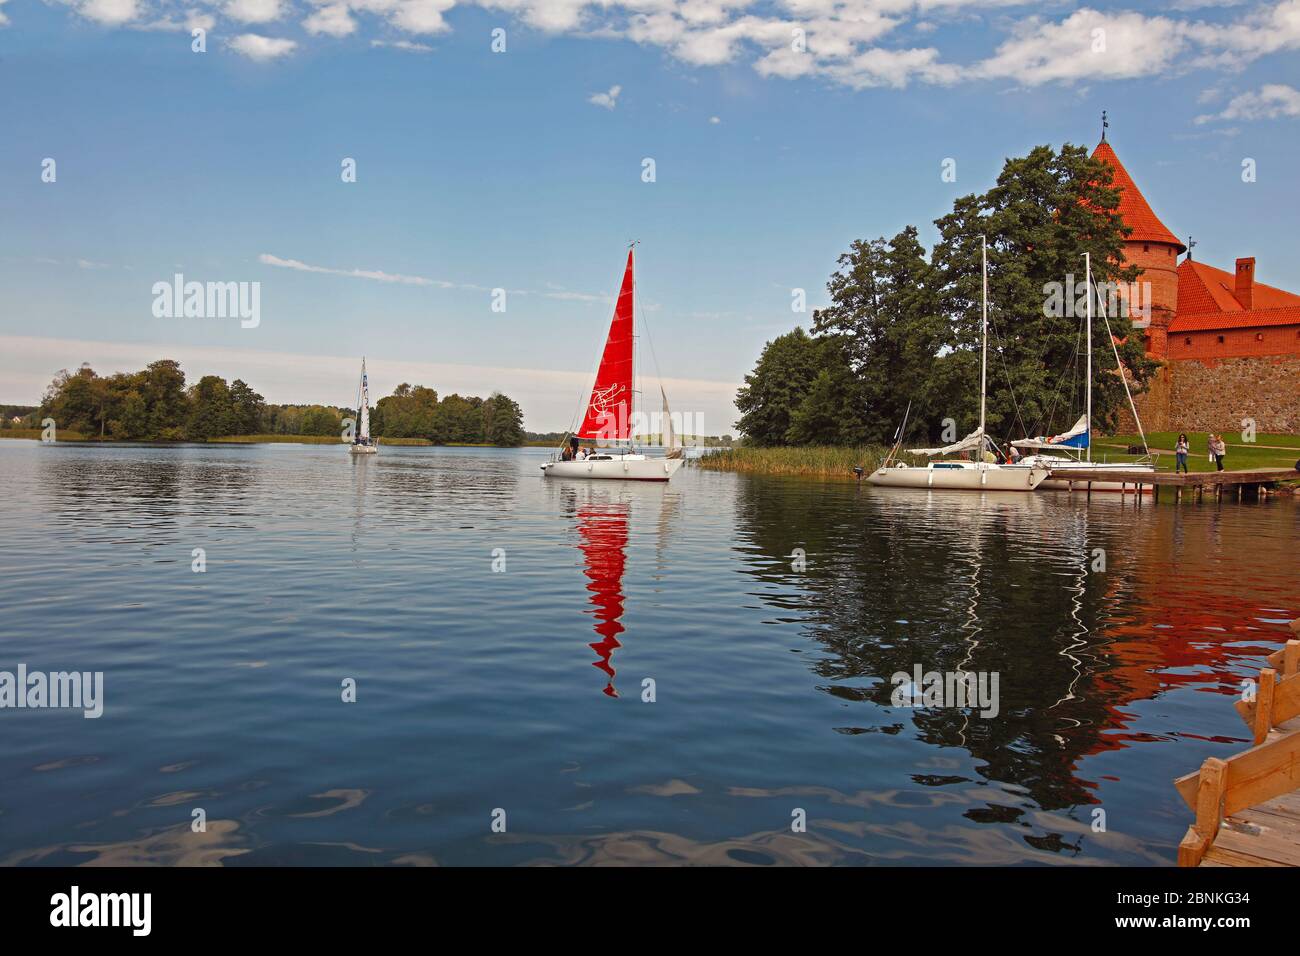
(576, 452)
(1217, 447)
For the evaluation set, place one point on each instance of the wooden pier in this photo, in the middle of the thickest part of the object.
(1248, 806)
(1236, 484)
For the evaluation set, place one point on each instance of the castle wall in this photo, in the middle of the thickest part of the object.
(1215, 395)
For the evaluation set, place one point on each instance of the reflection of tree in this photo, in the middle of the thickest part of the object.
(978, 582)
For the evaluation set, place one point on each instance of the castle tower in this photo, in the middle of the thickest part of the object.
(1151, 247)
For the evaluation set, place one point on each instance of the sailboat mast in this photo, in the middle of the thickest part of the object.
(984, 331)
(1087, 259)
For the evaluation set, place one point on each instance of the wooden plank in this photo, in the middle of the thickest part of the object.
(1261, 846)
(1282, 824)
(1226, 857)
(1255, 775)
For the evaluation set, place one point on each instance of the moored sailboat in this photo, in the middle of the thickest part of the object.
(363, 444)
(608, 415)
(984, 473)
(1078, 440)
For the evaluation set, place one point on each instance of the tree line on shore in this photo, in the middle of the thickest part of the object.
(904, 324)
(155, 404)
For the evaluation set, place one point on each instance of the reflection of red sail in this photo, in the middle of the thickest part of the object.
(610, 407)
(604, 538)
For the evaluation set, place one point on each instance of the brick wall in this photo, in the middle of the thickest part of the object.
(1205, 346)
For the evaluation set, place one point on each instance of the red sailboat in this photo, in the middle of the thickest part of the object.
(609, 411)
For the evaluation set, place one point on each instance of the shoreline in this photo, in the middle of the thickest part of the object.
(76, 438)
(837, 462)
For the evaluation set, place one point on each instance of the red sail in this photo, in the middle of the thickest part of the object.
(609, 412)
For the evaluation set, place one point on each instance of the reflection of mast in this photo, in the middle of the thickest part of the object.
(603, 528)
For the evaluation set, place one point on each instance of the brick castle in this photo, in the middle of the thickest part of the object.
(1229, 346)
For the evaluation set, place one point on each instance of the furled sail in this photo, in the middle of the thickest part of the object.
(974, 440)
(1076, 437)
(364, 432)
(609, 411)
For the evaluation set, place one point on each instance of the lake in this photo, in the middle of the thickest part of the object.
(504, 631)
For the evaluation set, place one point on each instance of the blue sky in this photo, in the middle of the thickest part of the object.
(522, 170)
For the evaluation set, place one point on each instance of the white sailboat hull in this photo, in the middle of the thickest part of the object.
(960, 476)
(620, 467)
(363, 449)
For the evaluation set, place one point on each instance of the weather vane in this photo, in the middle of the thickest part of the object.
(1104, 126)
(1191, 244)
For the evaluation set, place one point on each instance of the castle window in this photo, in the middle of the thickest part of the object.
(1187, 340)
(1259, 336)
(1146, 247)
(1220, 339)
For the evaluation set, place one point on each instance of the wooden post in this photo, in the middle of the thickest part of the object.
(1209, 802)
(1290, 658)
(1264, 704)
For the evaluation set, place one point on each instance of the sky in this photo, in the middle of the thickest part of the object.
(504, 146)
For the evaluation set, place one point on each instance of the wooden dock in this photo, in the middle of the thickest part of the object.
(1248, 806)
(1237, 484)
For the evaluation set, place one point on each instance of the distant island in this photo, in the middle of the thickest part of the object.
(155, 404)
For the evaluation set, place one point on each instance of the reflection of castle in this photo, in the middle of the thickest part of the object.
(1231, 345)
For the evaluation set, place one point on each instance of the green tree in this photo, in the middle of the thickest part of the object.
(163, 387)
(211, 411)
(780, 381)
(503, 421)
(246, 409)
(1044, 212)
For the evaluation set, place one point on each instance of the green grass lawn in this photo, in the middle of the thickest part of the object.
(1241, 456)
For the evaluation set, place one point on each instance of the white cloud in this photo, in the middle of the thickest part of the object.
(254, 11)
(1087, 44)
(333, 19)
(838, 41)
(111, 13)
(3, 19)
(262, 49)
(421, 16)
(406, 45)
(715, 120)
(1270, 101)
(607, 100)
(270, 260)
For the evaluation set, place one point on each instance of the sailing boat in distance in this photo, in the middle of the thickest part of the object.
(608, 415)
(363, 444)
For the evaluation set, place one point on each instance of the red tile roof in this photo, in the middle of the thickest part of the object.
(1206, 301)
(1133, 207)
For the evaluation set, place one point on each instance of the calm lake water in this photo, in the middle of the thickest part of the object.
(522, 689)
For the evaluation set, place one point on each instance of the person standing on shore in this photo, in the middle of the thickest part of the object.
(1180, 455)
(1217, 450)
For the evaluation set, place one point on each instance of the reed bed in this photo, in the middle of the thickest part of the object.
(818, 461)
(36, 433)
